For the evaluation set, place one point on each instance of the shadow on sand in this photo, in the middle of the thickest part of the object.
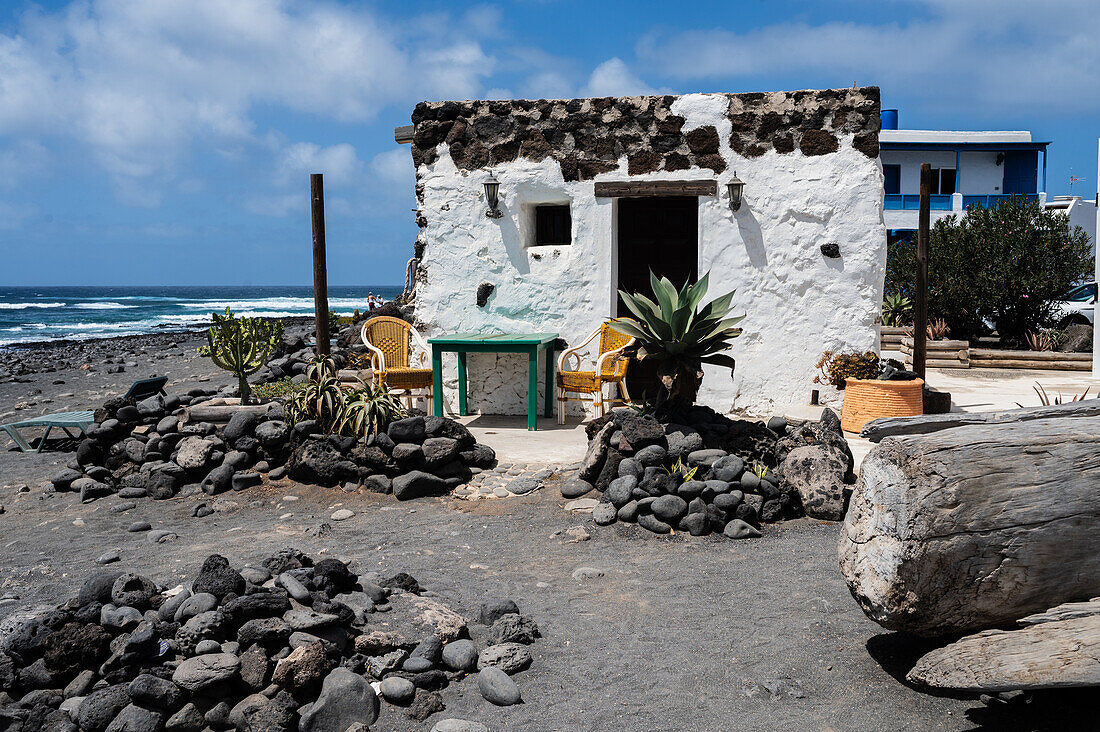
(1054, 709)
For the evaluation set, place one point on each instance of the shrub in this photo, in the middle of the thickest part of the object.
(836, 367)
(282, 388)
(241, 345)
(1004, 265)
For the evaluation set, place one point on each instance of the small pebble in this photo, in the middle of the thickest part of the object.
(108, 557)
(342, 514)
(139, 526)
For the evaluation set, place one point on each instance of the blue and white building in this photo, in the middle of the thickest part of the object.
(968, 169)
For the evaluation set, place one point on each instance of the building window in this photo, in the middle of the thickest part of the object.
(553, 225)
(943, 181)
(892, 174)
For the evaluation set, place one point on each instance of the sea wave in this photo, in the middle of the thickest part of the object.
(28, 305)
(277, 303)
(103, 306)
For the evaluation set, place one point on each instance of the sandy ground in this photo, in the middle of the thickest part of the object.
(679, 633)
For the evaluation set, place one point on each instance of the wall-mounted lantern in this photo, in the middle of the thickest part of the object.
(492, 195)
(735, 187)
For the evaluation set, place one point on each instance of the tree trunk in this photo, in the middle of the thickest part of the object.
(928, 423)
(1055, 655)
(680, 382)
(245, 389)
(977, 526)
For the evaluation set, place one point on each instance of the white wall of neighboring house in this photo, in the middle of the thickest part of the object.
(1081, 211)
(981, 175)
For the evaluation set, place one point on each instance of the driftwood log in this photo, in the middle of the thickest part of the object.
(1052, 655)
(975, 527)
(221, 413)
(876, 430)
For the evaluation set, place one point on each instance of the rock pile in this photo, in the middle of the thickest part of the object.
(290, 644)
(716, 475)
(142, 449)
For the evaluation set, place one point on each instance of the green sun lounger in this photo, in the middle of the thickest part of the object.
(79, 421)
(145, 388)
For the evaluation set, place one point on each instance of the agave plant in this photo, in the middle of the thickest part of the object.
(321, 398)
(368, 411)
(896, 308)
(679, 334)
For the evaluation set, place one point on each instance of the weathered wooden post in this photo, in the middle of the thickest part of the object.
(320, 269)
(920, 299)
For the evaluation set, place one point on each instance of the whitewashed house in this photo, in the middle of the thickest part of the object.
(596, 192)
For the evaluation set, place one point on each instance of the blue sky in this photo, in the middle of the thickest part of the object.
(152, 142)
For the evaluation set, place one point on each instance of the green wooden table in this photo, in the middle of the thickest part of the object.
(529, 343)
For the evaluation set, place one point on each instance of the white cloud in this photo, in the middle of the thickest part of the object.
(548, 85)
(1002, 55)
(614, 78)
(141, 81)
(394, 169)
(339, 163)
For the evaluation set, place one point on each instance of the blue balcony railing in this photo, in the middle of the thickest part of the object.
(991, 201)
(911, 202)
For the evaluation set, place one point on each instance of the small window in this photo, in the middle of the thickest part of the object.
(943, 181)
(892, 174)
(553, 225)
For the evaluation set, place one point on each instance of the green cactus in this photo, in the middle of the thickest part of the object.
(241, 345)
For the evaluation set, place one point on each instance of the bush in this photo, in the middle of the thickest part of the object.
(281, 388)
(1005, 265)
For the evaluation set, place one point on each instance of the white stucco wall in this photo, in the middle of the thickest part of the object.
(798, 302)
(981, 176)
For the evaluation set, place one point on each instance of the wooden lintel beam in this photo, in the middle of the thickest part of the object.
(635, 189)
(403, 134)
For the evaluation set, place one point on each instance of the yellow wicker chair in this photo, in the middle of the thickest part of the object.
(388, 341)
(611, 368)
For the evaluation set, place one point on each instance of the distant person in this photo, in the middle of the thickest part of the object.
(372, 302)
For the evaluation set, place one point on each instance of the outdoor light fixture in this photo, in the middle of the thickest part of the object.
(735, 188)
(492, 195)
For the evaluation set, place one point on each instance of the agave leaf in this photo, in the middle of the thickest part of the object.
(666, 295)
(640, 305)
(719, 359)
(628, 328)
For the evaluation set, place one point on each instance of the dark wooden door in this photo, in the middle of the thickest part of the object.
(659, 234)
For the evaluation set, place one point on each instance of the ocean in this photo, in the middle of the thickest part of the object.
(30, 314)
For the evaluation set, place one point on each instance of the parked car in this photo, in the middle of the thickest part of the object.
(1078, 306)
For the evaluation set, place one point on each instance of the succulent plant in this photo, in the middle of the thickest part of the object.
(682, 336)
(896, 308)
(241, 345)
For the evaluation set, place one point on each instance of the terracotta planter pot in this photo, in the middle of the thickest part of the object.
(867, 399)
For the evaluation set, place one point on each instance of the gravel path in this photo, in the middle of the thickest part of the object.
(677, 633)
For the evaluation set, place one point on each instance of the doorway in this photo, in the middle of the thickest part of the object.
(659, 234)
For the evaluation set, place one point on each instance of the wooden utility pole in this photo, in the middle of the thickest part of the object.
(920, 299)
(320, 268)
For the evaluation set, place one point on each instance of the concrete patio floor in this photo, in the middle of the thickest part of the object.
(972, 390)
